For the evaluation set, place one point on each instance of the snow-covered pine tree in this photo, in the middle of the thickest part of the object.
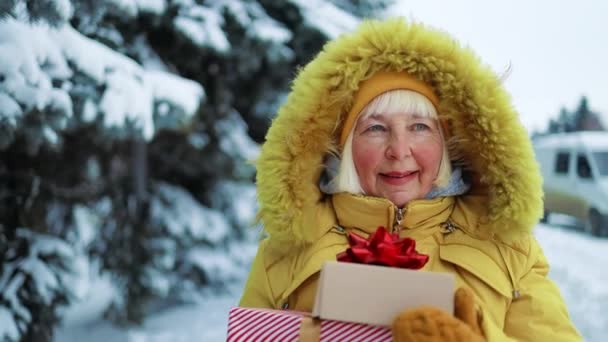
(75, 125)
(72, 115)
(244, 53)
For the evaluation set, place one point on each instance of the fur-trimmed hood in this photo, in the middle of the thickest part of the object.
(482, 121)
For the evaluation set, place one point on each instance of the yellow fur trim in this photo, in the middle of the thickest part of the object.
(482, 120)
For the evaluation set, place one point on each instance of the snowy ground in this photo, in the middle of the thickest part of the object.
(578, 266)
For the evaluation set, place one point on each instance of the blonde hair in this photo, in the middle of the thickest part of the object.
(390, 103)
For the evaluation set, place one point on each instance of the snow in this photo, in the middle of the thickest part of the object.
(580, 278)
(234, 139)
(152, 6)
(203, 27)
(157, 281)
(79, 282)
(238, 201)
(132, 8)
(89, 56)
(64, 8)
(218, 267)
(182, 214)
(49, 135)
(201, 322)
(44, 280)
(271, 31)
(243, 252)
(8, 326)
(24, 78)
(86, 221)
(94, 294)
(89, 112)
(176, 90)
(45, 272)
(44, 245)
(198, 140)
(125, 7)
(126, 99)
(10, 287)
(150, 60)
(326, 17)
(252, 16)
(48, 56)
(10, 110)
(578, 264)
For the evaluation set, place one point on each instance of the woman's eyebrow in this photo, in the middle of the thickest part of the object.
(374, 116)
(382, 117)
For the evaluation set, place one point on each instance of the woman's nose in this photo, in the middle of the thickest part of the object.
(399, 147)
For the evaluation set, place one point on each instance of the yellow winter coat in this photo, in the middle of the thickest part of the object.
(483, 237)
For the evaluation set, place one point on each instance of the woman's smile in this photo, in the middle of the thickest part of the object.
(398, 178)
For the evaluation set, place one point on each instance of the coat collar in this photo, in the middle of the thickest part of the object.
(368, 213)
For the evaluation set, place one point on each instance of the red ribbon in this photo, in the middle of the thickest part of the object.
(383, 248)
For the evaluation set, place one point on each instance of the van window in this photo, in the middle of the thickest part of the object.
(582, 167)
(601, 160)
(562, 162)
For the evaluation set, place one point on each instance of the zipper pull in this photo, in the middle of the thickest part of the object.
(448, 227)
(398, 219)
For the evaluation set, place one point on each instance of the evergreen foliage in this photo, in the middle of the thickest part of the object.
(581, 119)
(126, 131)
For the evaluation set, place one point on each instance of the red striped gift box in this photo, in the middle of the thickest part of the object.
(246, 324)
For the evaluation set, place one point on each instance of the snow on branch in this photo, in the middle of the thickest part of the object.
(46, 71)
(203, 26)
(43, 275)
(176, 209)
(259, 24)
(326, 17)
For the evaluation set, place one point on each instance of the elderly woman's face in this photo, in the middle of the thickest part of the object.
(397, 156)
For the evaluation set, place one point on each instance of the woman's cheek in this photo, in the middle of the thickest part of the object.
(429, 156)
(366, 160)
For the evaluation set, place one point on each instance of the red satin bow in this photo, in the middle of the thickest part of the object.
(383, 248)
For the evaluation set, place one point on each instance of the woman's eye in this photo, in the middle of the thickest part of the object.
(376, 128)
(420, 127)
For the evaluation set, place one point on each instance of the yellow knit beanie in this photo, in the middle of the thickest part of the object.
(379, 83)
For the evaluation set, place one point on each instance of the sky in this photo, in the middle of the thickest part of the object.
(557, 50)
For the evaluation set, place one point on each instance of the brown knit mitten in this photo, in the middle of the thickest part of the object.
(430, 324)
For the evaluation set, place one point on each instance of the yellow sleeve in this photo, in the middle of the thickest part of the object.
(540, 313)
(257, 293)
(494, 334)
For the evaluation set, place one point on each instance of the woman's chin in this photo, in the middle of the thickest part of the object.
(400, 200)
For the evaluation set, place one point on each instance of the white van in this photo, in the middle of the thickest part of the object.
(575, 172)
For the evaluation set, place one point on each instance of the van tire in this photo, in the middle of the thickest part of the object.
(595, 224)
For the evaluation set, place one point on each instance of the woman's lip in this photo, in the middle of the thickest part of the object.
(398, 174)
(398, 178)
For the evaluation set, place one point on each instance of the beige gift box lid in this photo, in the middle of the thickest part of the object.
(377, 294)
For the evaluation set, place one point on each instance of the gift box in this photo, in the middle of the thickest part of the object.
(357, 298)
(377, 278)
(377, 294)
(248, 324)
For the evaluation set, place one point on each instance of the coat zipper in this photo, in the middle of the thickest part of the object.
(448, 227)
(398, 219)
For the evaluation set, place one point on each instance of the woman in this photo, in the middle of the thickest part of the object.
(396, 125)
